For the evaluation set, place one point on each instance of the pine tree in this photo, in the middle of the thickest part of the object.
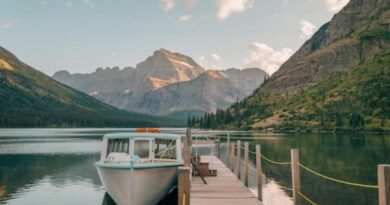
(188, 121)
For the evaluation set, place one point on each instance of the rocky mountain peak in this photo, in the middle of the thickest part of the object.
(215, 74)
(158, 83)
(61, 74)
(169, 66)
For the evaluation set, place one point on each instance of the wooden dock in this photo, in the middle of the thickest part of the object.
(225, 188)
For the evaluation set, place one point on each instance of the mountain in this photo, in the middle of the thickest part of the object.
(208, 92)
(163, 66)
(353, 36)
(166, 83)
(247, 80)
(338, 79)
(29, 98)
(168, 66)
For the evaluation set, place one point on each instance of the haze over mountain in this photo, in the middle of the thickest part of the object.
(338, 79)
(29, 98)
(166, 83)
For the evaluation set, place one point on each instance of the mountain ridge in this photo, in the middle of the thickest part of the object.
(336, 41)
(337, 80)
(126, 88)
(29, 98)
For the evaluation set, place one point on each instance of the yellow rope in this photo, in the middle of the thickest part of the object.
(274, 162)
(338, 180)
(307, 198)
(269, 160)
(252, 152)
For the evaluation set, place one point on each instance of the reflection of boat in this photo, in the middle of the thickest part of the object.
(139, 168)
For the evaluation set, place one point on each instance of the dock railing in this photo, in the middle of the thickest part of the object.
(235, 161)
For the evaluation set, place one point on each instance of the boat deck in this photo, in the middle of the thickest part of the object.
(225, 188)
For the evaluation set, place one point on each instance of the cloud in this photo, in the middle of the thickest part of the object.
(216, 57)
(335, 5)
(228, 7)
(307, 29)
(267, 58)
(184, 18)
(202, 58)
(168, 4)
(4, 25)
(89, 3)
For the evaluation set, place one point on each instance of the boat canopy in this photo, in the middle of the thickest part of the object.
(141, 135)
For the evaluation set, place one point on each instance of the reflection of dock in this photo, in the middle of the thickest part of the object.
(225, 188)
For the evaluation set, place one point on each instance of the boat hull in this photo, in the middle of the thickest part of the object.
(138, 186)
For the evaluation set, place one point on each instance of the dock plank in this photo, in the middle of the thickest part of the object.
(225, 188)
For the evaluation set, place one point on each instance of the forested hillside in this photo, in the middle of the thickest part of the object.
(29, 98)
(338, 80)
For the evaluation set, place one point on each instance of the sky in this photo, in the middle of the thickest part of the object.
(82, 35)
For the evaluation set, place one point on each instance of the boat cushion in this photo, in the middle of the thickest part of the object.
(118, 157)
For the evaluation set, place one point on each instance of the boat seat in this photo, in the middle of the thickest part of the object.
(118, 157)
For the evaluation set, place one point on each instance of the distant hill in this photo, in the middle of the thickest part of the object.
(166, 83)
(338, 80)
(29, 98)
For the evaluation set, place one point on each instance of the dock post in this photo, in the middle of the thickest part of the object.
(259, 177)
(189, 137)
(231, 161)
(384, 184)
(246, 168)
(238, 160)
(187, 155)
(184, 186)
(228, 150)
(296, 178)
(218, 147)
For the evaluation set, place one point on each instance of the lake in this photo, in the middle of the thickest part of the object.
(56, 166)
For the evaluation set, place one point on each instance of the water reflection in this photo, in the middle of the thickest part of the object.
(52, 170)
(351, 157)
(274, 194)
(168, 200)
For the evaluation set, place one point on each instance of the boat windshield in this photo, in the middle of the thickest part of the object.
(165, 149)
(141, 148)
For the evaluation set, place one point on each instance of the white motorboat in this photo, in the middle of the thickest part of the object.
(139, 168)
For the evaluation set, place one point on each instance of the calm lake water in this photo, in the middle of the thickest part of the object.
(55, 166)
